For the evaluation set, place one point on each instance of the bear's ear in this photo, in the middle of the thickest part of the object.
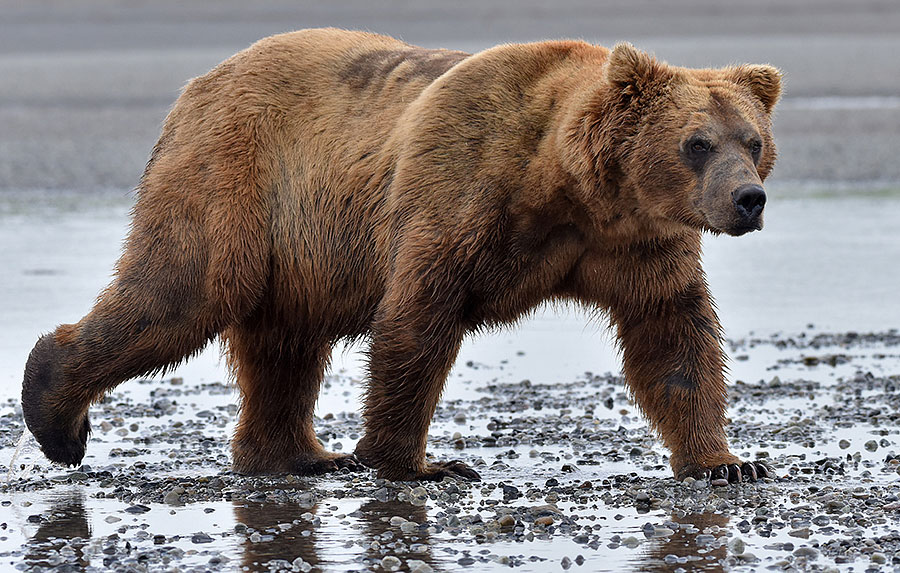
(763, 81)
(634, 73)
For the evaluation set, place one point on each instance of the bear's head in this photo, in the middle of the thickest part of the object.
(691, 146)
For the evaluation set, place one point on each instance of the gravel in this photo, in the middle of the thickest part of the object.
(572, 478)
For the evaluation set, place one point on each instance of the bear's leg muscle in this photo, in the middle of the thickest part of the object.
(674, 365)
(279, 372)
(415, 340)
(142, 324)
(177, 285)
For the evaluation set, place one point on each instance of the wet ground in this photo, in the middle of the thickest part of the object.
(572, 479)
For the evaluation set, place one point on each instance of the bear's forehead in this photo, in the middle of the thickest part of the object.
(717, 103)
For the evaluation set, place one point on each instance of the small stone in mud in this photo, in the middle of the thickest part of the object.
(201, 538)
(173, 497)
(417, 566)
(409, 527)
(544, 520)
(871, 445)
(511, 492)
(843, 444)
(390, 563)
(808, 552)
(136, 509)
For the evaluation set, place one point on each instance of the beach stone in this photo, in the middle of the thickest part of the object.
(808, 552)
(736, 546)
(418, 566)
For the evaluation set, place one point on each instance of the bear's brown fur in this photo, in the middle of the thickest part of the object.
(326, 184)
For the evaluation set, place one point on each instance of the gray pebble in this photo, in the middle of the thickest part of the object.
(808, 552)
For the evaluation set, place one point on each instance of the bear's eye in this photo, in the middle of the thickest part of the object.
(699, 145)
(755, 147)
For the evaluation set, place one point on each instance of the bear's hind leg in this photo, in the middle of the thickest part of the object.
(279, 373)
(142, 324)
(189, 269)
(414, 343)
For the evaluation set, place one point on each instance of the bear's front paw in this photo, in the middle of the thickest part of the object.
(57, 421)
(724, 474)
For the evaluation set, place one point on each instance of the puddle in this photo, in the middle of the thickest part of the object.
(572, 478)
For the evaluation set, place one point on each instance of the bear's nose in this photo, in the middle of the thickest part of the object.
(749, 200)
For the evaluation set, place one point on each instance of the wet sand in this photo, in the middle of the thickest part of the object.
(572, 480)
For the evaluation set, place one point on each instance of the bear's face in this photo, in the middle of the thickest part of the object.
(700, 143)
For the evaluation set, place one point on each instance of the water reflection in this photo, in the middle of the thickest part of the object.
(697, 544)
(287, 530)
(60, 537)
(284, 530)
(405, 541)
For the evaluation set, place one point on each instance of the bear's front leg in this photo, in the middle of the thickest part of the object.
(415, 341)
(674, 365)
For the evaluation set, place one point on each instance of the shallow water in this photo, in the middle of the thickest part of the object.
(823, 264)
(829, 261)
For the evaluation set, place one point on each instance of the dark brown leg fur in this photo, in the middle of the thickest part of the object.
(279, 373)
(174, 291)
(412, 351)
(674, 365)
(129, 333)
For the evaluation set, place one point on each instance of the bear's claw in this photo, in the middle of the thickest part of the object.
(727, 473)
(454, 469)
(324, 465)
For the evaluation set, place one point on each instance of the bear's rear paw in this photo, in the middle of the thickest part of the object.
(454, 469)
(436, 471)
(318, 465)
(66, 447)
(62, 433)
(725, 474)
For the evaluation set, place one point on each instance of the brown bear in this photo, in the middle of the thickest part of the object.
(325, 185)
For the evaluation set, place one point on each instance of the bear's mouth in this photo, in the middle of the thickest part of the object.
(744, 229)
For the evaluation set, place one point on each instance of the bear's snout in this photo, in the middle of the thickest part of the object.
(749, 201)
